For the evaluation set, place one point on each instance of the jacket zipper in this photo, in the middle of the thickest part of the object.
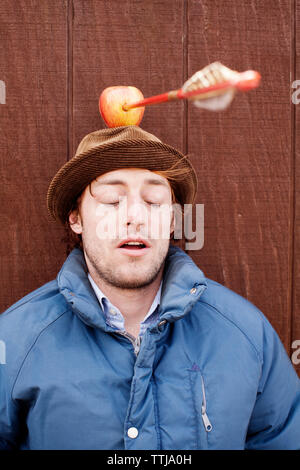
(136, 342)
(205, 419)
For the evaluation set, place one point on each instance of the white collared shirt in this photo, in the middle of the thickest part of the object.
(114, 317)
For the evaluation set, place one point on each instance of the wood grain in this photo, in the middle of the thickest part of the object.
(33, 141)
(296, 246)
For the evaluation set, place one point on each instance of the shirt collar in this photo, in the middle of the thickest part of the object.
(103, 300)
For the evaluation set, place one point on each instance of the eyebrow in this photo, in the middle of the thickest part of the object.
(147, 181)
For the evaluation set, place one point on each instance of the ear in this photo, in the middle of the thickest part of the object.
(75, 221)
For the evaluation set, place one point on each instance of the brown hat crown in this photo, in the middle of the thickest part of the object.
(110, 149)
(115, 134)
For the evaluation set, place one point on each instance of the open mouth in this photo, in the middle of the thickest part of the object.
(134, 247)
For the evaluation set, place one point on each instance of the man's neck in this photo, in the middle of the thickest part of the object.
(132, 303)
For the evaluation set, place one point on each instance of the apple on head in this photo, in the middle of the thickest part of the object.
(111, 103)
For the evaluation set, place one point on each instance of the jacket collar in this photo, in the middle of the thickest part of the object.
(183, 283)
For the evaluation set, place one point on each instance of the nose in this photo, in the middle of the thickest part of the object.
(136, 213)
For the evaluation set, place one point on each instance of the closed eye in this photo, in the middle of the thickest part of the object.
(108, 204)
(154, 204)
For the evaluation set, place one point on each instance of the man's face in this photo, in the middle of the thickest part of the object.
(120, 208)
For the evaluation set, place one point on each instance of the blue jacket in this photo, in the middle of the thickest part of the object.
(210, 374)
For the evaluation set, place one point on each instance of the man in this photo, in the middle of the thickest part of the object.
(131, 347)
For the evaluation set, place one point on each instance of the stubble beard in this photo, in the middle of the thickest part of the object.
(115, 276)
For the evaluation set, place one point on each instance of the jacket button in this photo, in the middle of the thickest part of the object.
(132, 433)
(161, 323)
(193, 290)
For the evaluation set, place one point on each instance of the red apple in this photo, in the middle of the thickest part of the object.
(111, 103)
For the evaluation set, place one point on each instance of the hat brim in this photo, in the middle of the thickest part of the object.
(81, 170)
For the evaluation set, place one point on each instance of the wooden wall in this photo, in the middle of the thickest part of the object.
(56, 58)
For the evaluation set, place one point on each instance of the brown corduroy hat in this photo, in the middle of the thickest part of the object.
(111, 149)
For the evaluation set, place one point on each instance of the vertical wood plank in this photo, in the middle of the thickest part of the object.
(243, 155)
(33, 141)
(296, 246)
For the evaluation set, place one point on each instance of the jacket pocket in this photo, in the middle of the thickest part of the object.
(202, 423)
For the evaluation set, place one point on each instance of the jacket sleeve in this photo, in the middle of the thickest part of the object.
(9, 421)
(275, 420)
